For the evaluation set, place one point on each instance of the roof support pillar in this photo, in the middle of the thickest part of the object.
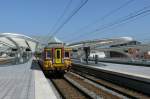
(19, 51)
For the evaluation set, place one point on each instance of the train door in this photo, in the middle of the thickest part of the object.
(58, 55)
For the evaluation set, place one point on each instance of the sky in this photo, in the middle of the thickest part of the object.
(38, 17)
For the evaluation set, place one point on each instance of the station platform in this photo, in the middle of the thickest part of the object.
(139, 72)
(25, 81)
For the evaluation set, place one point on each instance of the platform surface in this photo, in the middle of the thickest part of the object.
(139, 71)
(24, 81)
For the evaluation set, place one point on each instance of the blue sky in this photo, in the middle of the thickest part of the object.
(37, 17)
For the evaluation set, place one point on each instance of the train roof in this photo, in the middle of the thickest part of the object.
(53, 39)
(57, 45)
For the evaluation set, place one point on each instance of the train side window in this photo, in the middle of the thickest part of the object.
(67, 54)
(58, 54)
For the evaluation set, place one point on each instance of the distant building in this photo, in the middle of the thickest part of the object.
(126, 44)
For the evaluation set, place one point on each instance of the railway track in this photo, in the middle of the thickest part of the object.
(74, 86)
(85, 83)
(67, 90)
(107, 80)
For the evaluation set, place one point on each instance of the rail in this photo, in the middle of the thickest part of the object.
(141, 85)
(67, 90)
(73, 86)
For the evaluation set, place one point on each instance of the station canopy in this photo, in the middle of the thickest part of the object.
(13, 40)
(99, 42)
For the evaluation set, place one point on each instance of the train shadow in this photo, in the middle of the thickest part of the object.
(54, 75)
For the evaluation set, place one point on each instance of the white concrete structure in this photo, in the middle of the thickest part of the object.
(18, 40)
(98, 42)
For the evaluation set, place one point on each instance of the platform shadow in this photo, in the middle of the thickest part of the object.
(35, 65)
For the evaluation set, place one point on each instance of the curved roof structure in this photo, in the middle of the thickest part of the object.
(127, 38)
(96, 44)
(13, 40)
(103, 42)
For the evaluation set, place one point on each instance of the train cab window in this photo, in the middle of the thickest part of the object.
(58, 54)
(48, 54)
(66, 54)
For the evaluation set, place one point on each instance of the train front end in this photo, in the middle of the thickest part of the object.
(56, 59)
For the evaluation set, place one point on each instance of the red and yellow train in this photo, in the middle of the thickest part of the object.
(56, 57)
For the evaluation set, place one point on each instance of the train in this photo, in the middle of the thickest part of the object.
(56, 58)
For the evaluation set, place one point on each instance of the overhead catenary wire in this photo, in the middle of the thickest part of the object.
(68, 18)
(126, 18)
(121, 21)
(131, 20)
(61, 16)
(126, 22)
(117, 9)
(104, 17)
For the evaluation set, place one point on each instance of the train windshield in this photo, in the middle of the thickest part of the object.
(58, 54)
(48, 54)
(66, 54)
